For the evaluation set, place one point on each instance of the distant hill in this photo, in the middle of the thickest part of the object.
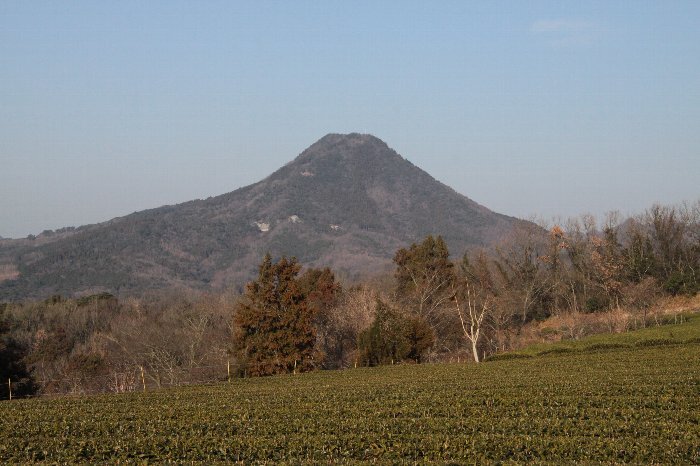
(348, 202)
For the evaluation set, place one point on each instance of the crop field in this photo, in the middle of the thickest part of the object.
(629, 404)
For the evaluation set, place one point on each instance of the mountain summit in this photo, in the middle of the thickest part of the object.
(347, 202)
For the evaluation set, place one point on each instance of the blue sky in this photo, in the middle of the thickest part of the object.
(530, 108)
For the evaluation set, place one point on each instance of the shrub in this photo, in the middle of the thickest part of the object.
(656, 342)
(595, 303)
(506, 356)
(559, 350)
(604, 346)
(393, 337)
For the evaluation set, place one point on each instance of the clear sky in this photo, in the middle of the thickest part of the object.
(530, 108)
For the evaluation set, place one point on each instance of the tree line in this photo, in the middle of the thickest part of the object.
(562, 281)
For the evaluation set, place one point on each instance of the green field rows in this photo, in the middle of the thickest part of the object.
(637, 405)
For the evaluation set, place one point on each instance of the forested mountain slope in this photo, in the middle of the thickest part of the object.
(348, 202)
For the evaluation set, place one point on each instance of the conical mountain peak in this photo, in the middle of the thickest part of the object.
(348, 146)
(348, 202)
(333, 139)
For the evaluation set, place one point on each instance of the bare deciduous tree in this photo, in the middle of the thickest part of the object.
(473, 296)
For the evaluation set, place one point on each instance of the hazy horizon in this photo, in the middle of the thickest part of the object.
(542, 108)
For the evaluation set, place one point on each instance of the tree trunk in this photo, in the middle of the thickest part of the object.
(475, 352)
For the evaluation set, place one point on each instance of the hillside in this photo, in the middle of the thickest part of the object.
(633, 405)
(682, 329)
(348, 202)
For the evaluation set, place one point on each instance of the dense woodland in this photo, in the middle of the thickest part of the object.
(540, 283)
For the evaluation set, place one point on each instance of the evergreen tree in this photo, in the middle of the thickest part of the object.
(393, 337)
(12, 366)
(424, 276)
(322, 293)
(274, 325)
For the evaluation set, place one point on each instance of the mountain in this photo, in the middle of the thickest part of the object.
(347, 202)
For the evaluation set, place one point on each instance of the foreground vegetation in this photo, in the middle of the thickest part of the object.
(537, 285)
(629, 404)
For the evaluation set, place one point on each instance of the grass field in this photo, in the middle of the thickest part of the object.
(676, 334)
(638, 403)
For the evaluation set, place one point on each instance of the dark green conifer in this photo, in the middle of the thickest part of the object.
(274, 325)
